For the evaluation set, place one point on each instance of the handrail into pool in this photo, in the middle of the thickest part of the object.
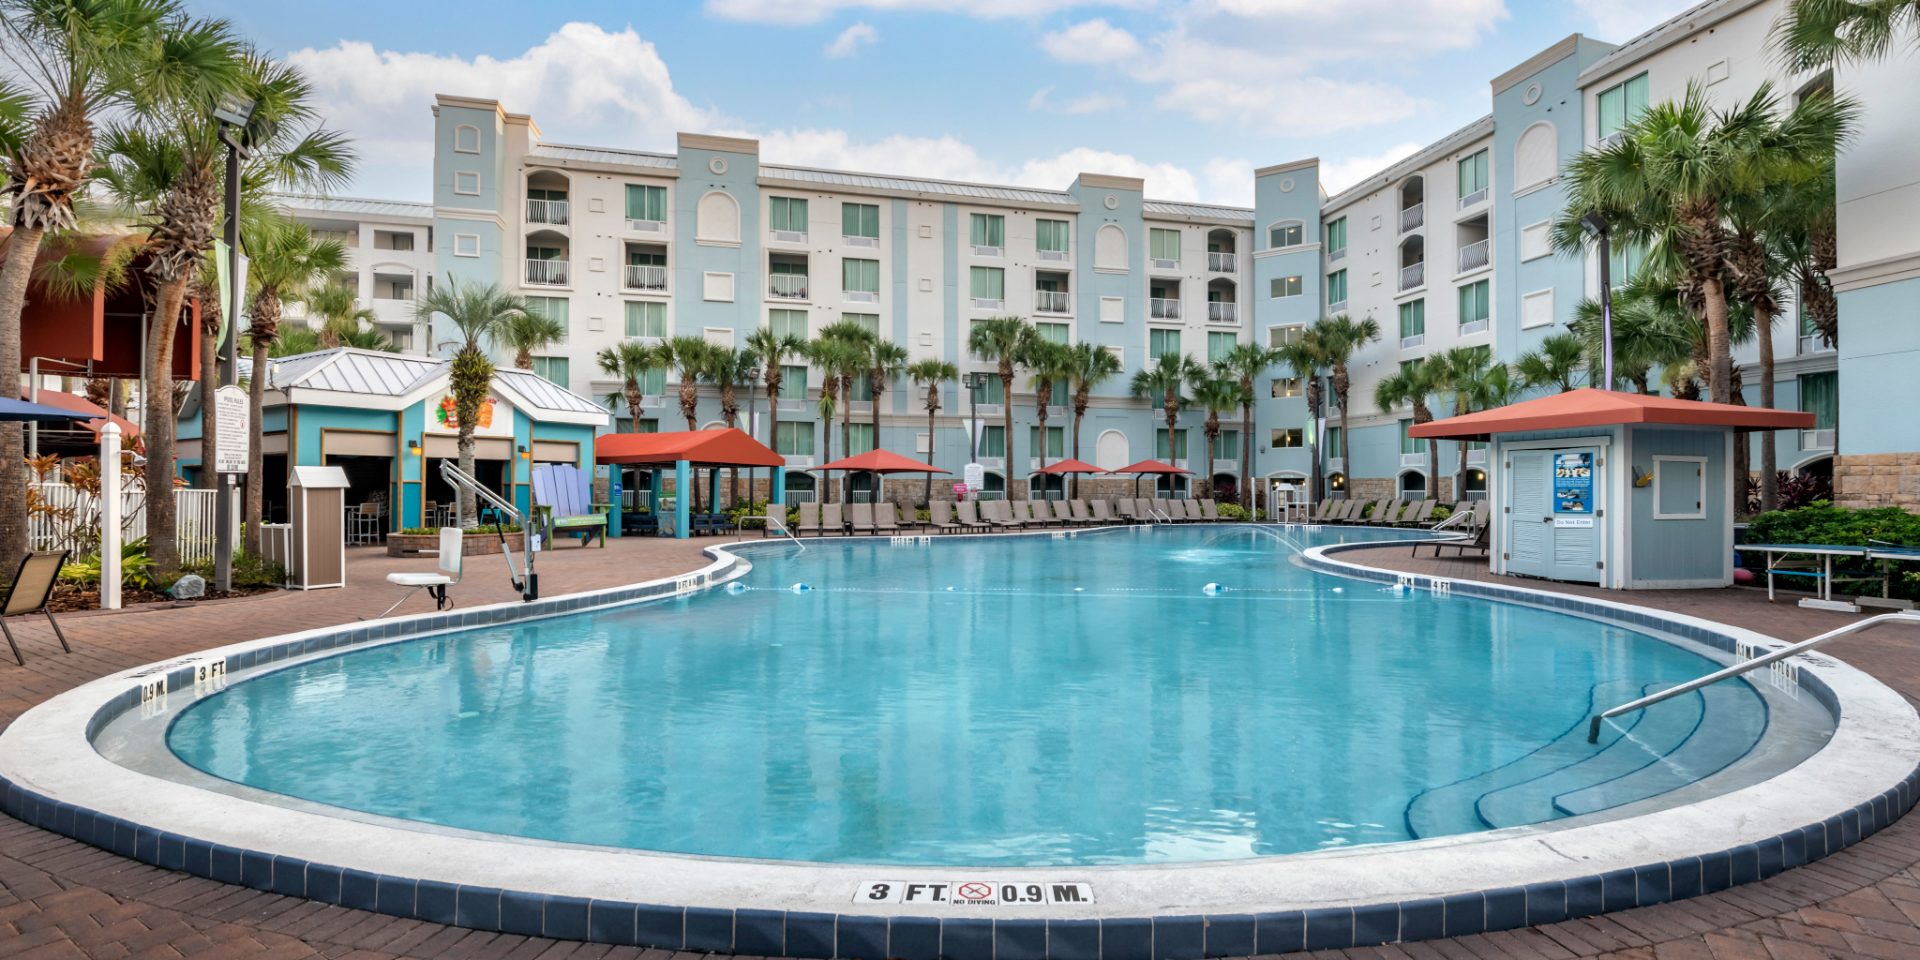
(775, 523)
(1593, 729)
(529, 585)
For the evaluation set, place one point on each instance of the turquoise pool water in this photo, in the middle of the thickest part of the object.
(990, 702)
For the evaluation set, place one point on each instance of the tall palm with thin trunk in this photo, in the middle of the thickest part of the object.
(1214, 395)
(1410, 386)
(929, 374)
(73, 61)
(477, 313)
(1245, 364)
(839, 358)
(727, 369)
(773, 350)
(1554, 365)
(336, 307)
(284, 260)
(1050, 363)
(1338, 338)
(886, 361)
(629, 362)
(687, 357)
(1302, 355)
(527, 334)
(1163, 381)
(1001, 341)
(1464, 372)
(1093, 365)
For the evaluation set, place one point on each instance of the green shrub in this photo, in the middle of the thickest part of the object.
(750, 508)
(1232, 511)
(1822, 522)
(479, 531)
(136, 568)
(248, 571)
(1441, 511)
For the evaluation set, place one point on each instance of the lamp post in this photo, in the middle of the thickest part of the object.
(1595, 226)
(973, 382)
(233, 112)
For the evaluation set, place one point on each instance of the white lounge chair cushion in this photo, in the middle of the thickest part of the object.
(419, 579)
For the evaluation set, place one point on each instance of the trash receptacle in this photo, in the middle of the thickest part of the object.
(318, 512)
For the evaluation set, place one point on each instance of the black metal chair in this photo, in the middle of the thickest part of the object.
(29, 592)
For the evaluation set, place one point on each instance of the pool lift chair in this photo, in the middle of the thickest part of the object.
(453, 541)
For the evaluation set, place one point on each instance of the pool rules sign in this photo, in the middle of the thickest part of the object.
(230, 440)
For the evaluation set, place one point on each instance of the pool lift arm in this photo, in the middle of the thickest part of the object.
(528, 585)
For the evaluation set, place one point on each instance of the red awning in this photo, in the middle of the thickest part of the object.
(1588, 407)
(1150, 466)
(100, 333)
(81, 405)
(725, 447)
(880, 461)
(1071, 465)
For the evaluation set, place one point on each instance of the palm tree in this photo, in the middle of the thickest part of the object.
(164, 163)
(285, 259)
(1302, 354)
(363, 339)
(1554, 364)
(1817, 32)
(1337, 339)
(727, 369)
(772, 351)
(72, 62)
(628, 362)
(1244, 365)
(527, 333)
(1650, 329)
(687, 357)
(1050, 363)
(478, 313)
(1001, 341)
(1410, 386)
(886, 361)
(1465, 372)
(1162, 381)
(930, 374)
(1093, 365)
(1213, 394)
(337, 307)
(292, 342)
(840, 351)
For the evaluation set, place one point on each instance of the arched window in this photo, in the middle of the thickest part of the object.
(1413, 482)
(1170, 485)
(995, 484)
(1533, 156)
(1476, 484)
(799, 487)
(1046, 486)
(717, 218)
(1110, 451)
(1337, 485)
(1110, 248)
(1286, 233)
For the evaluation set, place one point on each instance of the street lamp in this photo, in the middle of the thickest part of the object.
(973, 382)
(1595, 226)
(233, 112)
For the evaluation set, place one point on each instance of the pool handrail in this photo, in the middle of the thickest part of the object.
(1593, 729)
(528, 585)
(775, 524)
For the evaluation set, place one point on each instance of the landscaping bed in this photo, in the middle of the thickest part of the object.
(477, 544)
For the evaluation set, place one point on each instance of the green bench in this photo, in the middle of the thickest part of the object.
(563, 494)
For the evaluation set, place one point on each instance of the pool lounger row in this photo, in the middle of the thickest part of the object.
(946, 516)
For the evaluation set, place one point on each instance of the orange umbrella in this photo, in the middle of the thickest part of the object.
(1145, 467)
(1070, 465)
(877, 461)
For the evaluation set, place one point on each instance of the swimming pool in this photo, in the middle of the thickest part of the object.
(987, 702)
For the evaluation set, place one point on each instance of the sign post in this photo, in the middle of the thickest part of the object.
(226, 453)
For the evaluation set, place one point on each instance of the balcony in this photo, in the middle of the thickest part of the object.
(1411, 218)
(1473, 256)
(1816, 439)
(1413, 275)
(547, 211)
(1052, 301)
(1415, 340)
(1472, 327)
(395, 313)
(547, 273)
(1225, 312)
(787, 286)
(1473, 198)
(1223, 262)
(1162, 309)
(644, 277)
(646, 226)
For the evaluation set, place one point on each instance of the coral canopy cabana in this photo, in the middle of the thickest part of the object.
(97, 332)
(685, 452)
(1589, 407)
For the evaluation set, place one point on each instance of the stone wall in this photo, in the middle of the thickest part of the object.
(1877, 480)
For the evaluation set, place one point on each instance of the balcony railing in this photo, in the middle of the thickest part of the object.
(1816, 439)
(1223, 311)
(1410, 342)
(1473, 256)
(645, 276)
(1052, 301)
(1162, 309)
(1222, 262)
(547, 272)
(787, 286)
(1473, 198)
(1472, 327)
(1413, 275)
(547, 211)
(1412, 217)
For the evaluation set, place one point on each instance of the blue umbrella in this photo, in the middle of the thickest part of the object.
(14, 410)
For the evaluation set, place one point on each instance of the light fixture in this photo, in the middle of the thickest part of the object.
(413, 447)
(233, 109)
(524, 455)
(1593, 224)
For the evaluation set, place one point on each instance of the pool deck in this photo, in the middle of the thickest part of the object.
(61, 898)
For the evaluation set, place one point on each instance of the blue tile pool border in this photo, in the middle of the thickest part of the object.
(866, 937)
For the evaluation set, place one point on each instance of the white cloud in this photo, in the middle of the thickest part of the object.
(1165, 181)
(1622, 20)
(814, 11)
(1229, 181)
(1337, 175)
(1091, 41)
(851, 39)
(949, 158)
(1042, 100)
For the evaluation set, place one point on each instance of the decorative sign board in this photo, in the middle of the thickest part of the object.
(233, 427)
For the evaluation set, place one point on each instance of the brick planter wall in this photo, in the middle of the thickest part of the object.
(476, 544)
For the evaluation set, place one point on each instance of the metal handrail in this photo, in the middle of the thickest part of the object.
(1593, 729)
(775, 523)
(529, 585)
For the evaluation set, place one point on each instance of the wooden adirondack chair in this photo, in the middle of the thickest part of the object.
(563, 493)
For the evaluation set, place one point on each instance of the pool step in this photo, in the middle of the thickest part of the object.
(1736, 719)
(1450, 808)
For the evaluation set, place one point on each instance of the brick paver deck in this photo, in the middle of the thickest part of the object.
(61, 898)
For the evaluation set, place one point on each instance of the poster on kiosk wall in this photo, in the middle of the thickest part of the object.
(1573, 489)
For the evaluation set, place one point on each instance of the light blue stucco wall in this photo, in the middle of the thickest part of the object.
(459, 214)
(1274, 202)
(1678, 550)
(692, 259)
(1879, 348)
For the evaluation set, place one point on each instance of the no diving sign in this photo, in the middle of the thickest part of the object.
(975, 893)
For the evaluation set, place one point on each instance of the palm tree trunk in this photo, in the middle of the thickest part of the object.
(209, 413)
(1006, 431)
(463, 497)
(773, 431)
(22, 249)
(1719, 346)
(846, 436)
(255, 508)
(1769, 455)
(931, 410)
(1246, 459)
(163, 535)
(1433, 470)
(1078, 412)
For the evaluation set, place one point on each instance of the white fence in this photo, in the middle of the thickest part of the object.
(70, 518)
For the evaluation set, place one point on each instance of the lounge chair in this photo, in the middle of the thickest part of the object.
(1192, 507)
(862, 514)
(1366, 515)
(1392, 515)
(32, 587)
(999, 513)
(1123, 508)
(909, 517)
(1043, 513)
(1023, 513)
(1417, 514)
(830, 519)
(940, 516)
(883, 519)
(1101, 514)
(968, 512)
(1078, 514)
(1477, 544)
(563, 496)
(1343, 511)
(809, 520)
(1209, 510)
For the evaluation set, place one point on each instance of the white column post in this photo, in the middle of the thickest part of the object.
(110, 516)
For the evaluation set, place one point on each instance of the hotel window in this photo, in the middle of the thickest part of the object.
(990, 390)
(1051, 332)
(1163, 342)
(1819, 396)
(793, 382)
(1286, 235)
(1164, 451)
(1336, 443)
(552, 368)
(646, 319)
(869, 322)
(793, 438)
(1624, 260)
(993, 441)
(1413, 319)
(1474, 304)
(859, 437)
(652, 382)
(646, 203)
(1473, 174)
(1337, 287)
(860, 276)
(1408, 442)
(1056, 442)
(1278, 337)
(628, 425)
(860, 220)
(1163, 244)
(1057, 397)
(987, 283)
(1287, 438)
(1050, 236)
(788, 323)
(1284, 287)
(1620, 104)
(1337, 237)
(787, 214)
(989, 230)
(1219, 344)
(1227, 445)
(860, 389)
(1284, 387)
(553, 308)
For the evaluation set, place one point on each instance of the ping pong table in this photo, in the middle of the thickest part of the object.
(1815, 561)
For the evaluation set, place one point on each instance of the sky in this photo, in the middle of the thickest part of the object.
(1192, 95)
